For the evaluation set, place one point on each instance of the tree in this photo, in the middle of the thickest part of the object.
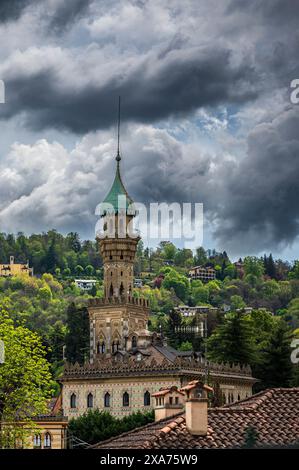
(77, 337)
(201, 256)
(79, 270)
(276, 369)
(89, 270)
(168, 250)
(176, 281)
(25, 380)
(237, 302)
(95, 426)
(269, 266)
(253, 266)
(232, 341)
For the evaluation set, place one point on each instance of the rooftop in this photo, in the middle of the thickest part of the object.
(273, 414)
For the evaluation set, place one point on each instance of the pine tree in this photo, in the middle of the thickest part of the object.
(276, 369)
(232, 341)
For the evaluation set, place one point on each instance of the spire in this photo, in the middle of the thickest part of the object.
(118, 157)
(117, 188)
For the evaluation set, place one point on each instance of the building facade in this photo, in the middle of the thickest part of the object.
(13, 269)
(204, 274)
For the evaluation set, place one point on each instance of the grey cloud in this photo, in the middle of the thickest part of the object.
(12, 9)
(66, 13)
(151, 90)
(260, 209)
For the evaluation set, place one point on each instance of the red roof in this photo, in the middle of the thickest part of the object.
(273, 414)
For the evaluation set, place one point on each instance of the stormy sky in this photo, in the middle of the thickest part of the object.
(206, 114)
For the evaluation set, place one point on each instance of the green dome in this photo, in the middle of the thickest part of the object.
(117, 190)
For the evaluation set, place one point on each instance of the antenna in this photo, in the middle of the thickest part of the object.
(118, 131)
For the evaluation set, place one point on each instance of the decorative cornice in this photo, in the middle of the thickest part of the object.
(128, 367)
(123, 300)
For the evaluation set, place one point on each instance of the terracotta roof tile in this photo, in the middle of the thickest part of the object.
(274, 414)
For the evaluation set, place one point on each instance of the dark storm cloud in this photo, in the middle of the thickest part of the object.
(279, 12)
(12, 9)
(68, 12)
(261, 197)
(178, 83)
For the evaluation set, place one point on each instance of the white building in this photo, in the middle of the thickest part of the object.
(85, 284)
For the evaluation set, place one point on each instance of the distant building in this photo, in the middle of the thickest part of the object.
(13, 269)
(187, 311)
(138, 283)
(202, 273)
(85, 284)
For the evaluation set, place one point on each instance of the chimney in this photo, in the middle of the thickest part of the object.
(169, 402)
(196, 407)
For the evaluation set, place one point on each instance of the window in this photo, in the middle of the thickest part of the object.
(126, 399)
(147, 398)
(170, 400)
(47, 441)
(73, 400)
(103, 347)
(107, 400)
(134, 342)
(111, 290)
(90, 400)
(176, 400)
(98, 347)
(37, 442)
(121, 290)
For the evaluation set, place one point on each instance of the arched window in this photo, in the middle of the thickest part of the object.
(134, 342)
(73, 400)
(239, 397)
(117, 346)
(107, 400)
(37, 442)
(103, 347)
(90, 400)
(126, 399)
(147, 398)
(111, 289)
(47, 441)
(121, 290)
(98, 347)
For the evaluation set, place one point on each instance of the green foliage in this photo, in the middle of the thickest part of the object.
(95, 426)
(177, 282)
(276, 369)
(186, 346)
(232, 341)
(25, 379)
(77, 338)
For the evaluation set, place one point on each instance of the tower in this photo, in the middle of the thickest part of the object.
(118, 322)
(118, 241)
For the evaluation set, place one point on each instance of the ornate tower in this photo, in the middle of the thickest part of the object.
(118, 241)
(118, 322)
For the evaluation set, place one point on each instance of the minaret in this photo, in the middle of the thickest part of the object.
(117, 246)
(118, 322)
